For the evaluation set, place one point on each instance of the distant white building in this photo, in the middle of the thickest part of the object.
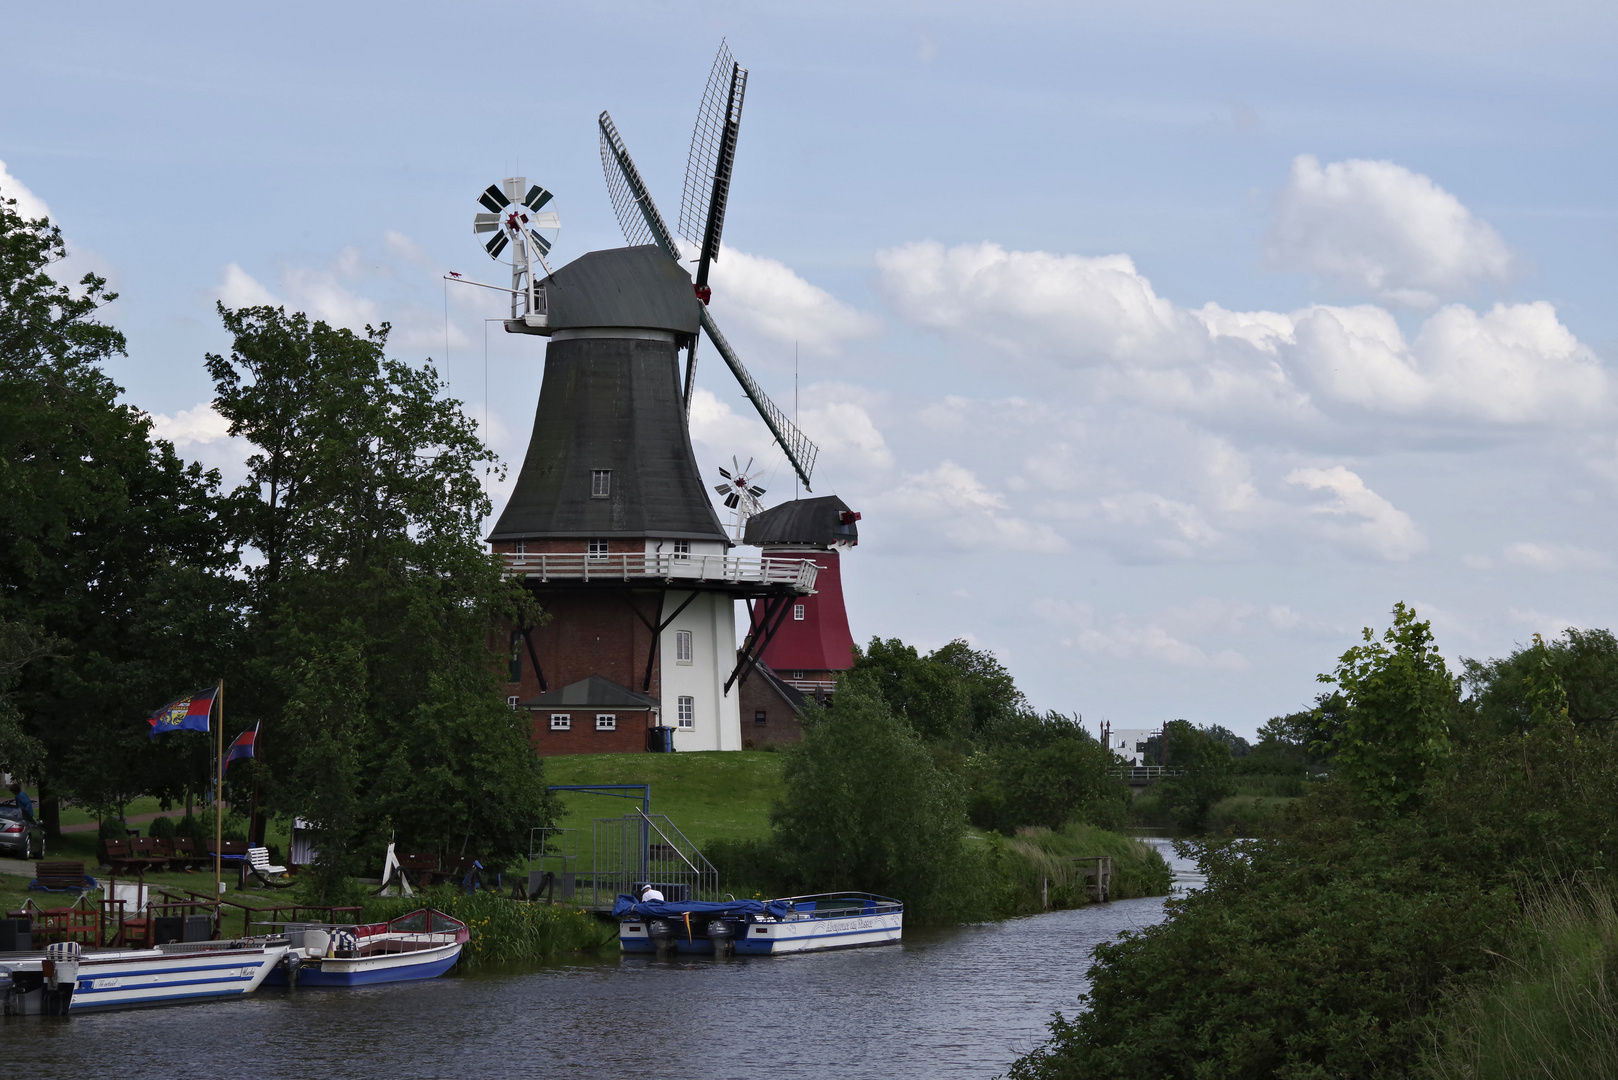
(1129, 743)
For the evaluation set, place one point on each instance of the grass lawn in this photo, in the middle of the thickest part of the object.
(709, 795)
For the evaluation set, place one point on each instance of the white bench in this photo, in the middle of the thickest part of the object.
(258, 864)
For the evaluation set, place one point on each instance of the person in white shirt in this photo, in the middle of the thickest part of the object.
(647, 893)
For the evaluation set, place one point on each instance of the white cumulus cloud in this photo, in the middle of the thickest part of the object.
(1377, 228)
(952, 502)
(774, 301)
(29, 206)
(1357, 517)
(188, 427)
(1554, 558)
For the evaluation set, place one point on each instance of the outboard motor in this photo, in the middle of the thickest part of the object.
(723, 936)
(61, 976)
(661, 931)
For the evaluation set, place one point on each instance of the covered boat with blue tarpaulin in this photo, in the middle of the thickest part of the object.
(816, 923)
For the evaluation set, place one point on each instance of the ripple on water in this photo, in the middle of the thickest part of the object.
(961, 1002)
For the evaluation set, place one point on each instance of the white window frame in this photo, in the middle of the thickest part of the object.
(596, 550)
(561, 721)
(797, 613)
(686, 712)
(682, 647)
(797, 675)
(606, 721)
(522, 547)
(600, 483)
(512, 701)
(682, 549)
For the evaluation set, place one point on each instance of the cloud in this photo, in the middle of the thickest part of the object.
(1554, 558)
(769, 297)
(1159, 638)
(1100, 321)
(1358, 517)
(1376, 228)
(29, 206)
(188, 427)
(238, 289)
(952, 501)
(835, 416)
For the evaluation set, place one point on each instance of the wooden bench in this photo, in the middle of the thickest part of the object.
(122, 858)
(185, 854)
(421, 868)
(61, 876)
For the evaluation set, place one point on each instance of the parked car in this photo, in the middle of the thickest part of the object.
(19, 838)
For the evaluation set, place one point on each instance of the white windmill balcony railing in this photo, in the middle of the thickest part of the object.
(797, 574)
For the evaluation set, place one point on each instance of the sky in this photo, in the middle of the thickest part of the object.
(1162, 346)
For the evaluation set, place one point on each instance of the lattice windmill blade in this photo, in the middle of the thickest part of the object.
(631, 202)
(713, 156)
(800, 451)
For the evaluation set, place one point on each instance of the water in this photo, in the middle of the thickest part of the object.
(963, 1002)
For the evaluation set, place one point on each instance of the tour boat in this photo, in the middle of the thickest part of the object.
(71, 979)
(793, 924)
(421, 945)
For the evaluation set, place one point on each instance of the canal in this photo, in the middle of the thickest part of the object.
(963, 1002)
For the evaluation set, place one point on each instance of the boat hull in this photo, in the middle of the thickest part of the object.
(137, 978)
(367, 970)
(820, 935)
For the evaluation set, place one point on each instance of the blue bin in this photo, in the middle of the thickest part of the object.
(660, 740)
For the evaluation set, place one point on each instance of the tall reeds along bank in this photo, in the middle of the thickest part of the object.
(1036, 869)
(1552, 1010)
(504, 931)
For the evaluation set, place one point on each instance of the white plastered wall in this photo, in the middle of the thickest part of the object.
(711, 621)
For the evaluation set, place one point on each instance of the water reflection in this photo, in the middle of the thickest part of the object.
(951, 1003)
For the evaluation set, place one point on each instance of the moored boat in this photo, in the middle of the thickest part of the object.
(421, 945)
(70, 979)
(792, 924)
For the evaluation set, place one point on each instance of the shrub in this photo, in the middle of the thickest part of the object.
(161, 828)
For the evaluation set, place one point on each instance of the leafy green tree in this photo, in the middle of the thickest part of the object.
(104, 537)
(20, 753)
(1400, 702)
(1584, 663)
(931, 696)
(866, 807)
(364, 498)
(1205, 763)
(1042, 770)
(992, 694)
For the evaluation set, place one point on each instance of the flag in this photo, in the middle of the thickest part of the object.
(190, 713)
(241, 748)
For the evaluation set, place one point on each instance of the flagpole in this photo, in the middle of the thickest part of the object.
(219, 802)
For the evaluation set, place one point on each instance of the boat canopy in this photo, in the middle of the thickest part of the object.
(628, 906)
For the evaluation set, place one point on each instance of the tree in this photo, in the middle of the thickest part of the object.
(1400, 702)
(365, 498)
(866, 808)
(930, 695)
(1042, 770)
(103, 535)
(1205, 764)
(1505, 693)
(992, 694)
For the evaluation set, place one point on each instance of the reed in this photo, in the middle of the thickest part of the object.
(503, 931)
(1552, 1009)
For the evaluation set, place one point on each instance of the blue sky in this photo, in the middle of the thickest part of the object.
(1161, 346)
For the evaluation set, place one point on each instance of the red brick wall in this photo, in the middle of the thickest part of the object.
(583, 738)
(781, 723)
(590, 632)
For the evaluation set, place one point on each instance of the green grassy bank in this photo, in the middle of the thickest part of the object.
(709, 795)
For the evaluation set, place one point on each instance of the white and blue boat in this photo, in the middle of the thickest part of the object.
(68, 979)
(793, 924)
(421, 945)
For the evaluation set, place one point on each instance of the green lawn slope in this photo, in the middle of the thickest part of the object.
(709, 795)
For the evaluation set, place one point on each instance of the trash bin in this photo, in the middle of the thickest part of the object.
(660, 739)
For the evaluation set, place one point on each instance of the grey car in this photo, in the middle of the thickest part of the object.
(19, 838)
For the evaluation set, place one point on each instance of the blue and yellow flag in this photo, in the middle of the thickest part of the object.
(190, 713)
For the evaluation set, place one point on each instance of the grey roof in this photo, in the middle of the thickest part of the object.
(803, 521)
(788, 693)
(615, 404)
(593, 692)
(634, 287)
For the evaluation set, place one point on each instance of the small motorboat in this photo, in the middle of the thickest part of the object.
(421, 945)
(71, 979)
(792, 924)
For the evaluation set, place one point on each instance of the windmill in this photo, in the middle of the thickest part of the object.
(515, 217)
(702, 216)
(741, 494)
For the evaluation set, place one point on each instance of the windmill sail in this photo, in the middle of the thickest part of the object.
(713, 156)
(642, 224)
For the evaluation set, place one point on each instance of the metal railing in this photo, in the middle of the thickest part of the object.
(1147, 773)
(798, 574)
(637, 849)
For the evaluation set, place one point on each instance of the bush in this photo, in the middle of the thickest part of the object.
(161, 829)
(504, 931)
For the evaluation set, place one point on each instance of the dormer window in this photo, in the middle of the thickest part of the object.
(600, 483)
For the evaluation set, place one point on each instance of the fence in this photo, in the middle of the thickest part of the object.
(625, 853)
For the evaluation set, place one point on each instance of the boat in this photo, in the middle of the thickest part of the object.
(793, 924)
(421, 945)
(69, 979)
